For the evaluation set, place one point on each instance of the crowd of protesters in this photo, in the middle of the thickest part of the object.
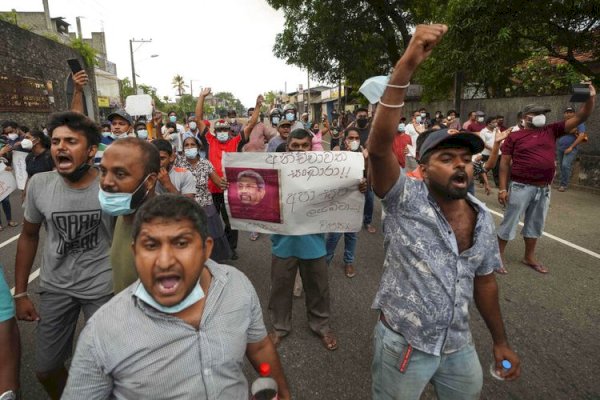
(138, 238)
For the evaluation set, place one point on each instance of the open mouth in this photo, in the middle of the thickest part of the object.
(64, 161)
(168, 284)
(459, 180)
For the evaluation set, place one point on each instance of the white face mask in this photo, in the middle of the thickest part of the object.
(222, 136)
(480, 119)
(193, 125)
(13, 136)
(354, 144)
(27, 144)
(538, 121)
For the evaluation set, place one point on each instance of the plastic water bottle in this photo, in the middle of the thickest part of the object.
(265, 387)
(506, 365)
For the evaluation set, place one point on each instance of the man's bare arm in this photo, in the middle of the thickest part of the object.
(383, 164)
(264, 352)
(80, 79)
(254, 118)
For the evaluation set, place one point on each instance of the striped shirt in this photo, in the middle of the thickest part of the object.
(129, 350)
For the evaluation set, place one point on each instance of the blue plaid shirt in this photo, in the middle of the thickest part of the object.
(427, 286)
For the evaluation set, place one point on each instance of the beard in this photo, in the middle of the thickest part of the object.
(449, 189)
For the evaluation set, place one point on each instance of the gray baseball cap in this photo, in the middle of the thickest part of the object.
(534, 109)
(122, 114)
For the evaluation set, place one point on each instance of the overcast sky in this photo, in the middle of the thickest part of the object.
(224, 44)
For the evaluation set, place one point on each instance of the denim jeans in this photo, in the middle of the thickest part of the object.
(368, 210)
(350, 239)
(565, 161)
(7, 210)
(454, 376)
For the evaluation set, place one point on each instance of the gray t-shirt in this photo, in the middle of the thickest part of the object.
(75, 257)
(182, 179)
(274, 143)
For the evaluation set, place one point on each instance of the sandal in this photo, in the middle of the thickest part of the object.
(12, 224)
(501, 270)
(329, 341)
(536, 267)
(349, 271)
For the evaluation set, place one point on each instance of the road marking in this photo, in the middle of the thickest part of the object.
(9, 241)
(563, 241)
(32, 277)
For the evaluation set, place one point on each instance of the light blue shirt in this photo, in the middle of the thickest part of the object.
(427, 286)
(305, 247)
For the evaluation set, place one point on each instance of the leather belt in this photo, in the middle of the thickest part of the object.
(385, 323)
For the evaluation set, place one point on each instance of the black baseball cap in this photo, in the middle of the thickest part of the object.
(569, 109)
(122, 114)
(534, 109)
(460, 139)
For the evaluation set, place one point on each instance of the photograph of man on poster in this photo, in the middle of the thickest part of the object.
(254, 194)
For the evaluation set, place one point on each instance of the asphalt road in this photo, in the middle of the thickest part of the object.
(552, 320)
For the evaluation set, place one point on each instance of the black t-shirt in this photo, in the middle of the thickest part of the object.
(40, 163)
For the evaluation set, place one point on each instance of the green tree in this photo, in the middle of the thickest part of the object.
(488, 39)
(179, 84)
(126, 88)
(227, 101)
(344, 39)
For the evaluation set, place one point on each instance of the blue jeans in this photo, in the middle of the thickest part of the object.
(350, 239)
(565, 161)
(7, 209)
(368, 210)
(454, 376)
(528, 200)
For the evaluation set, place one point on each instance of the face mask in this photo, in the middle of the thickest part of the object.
(27, 144)
(222, 136)
(401, 127)
(354, 145)
(418, 119)
(120, 135)
(480, 119)
(191, 152)
(193, 126)
(232, 120)
(106, 134)
(450, 117)
(119, 203)
(202, 154)
(142, 134)
(290, 117)
(195, 296)
(374, 87)
(173, 118)
(423, 115)
(538, 121)
(76, 175)
(13, 136)
(274, 120)
(361, 122)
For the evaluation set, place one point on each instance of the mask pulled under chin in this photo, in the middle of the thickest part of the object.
(79, 173)
(195, 296)
(116, 204)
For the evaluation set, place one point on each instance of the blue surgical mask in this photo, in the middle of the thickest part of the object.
(193, 126)
(191, 152)
(106, 134)
(142, 134)
(173, 118)
(274, 120)
(118, 203)
(401, 127)
(195, 296)
(374, 87)
(202, 154)
(222, 136)
(290, 117)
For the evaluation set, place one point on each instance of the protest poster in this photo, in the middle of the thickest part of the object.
(8, 184)
(20, 168)
(295, 193)
(139, 104)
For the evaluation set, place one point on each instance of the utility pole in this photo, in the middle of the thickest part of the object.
(79, 34)
(131, 42)
(308, 93)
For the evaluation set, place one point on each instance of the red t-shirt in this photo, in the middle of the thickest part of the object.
(475, 126)
(533, 152)
(215, 155)
(398, 146)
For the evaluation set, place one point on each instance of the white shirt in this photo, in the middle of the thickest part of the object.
(488, 139)
(412, 132)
